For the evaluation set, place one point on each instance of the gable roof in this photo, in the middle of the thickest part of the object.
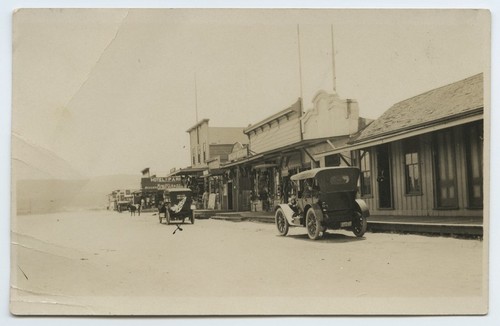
(450, 102)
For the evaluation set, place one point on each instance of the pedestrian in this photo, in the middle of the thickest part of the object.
(217, 200)
(204, 199)
(139, 208)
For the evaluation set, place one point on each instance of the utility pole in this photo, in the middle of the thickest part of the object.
(334, 78)
(196, 97)
(300, 60)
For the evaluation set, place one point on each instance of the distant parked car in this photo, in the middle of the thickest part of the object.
(122, 205)
(324, 198)
(178, 205)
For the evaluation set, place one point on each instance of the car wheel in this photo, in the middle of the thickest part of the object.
(192, 218)
(313, 225)
(281, 222)
(167, 215)
(359, 225)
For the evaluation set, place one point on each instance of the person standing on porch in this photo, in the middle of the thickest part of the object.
(204, 198)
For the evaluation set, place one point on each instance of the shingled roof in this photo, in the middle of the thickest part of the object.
(453, 101)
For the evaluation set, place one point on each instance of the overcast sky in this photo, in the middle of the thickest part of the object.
(113, 91)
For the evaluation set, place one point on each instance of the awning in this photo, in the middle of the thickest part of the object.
(242, 161)
(188, 171)
(265, 166)
(213, 172)
(399, 135)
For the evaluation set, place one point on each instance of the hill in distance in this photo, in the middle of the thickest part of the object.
(45, 183)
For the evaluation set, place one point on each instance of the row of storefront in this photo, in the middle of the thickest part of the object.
(253, 173)
(422, 157)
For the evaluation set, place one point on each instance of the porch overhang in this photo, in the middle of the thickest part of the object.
(401, 134)
(188, 171)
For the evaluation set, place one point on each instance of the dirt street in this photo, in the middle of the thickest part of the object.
(112, 263)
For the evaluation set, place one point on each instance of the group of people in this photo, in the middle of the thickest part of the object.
(205, 199)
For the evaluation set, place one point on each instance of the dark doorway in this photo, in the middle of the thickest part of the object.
(230, 195)
(384, 177)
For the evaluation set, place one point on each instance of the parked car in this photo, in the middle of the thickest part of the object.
(324, 198)
(178, 205)
(122, 205)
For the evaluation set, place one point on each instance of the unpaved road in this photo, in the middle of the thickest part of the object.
(111, 263)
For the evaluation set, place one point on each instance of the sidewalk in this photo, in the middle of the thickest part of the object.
(455, 225)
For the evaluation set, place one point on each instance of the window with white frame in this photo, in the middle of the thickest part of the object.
(365, 167)
(411, 151)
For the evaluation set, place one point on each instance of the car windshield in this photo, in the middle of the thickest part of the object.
(176, 196)
(337, 180)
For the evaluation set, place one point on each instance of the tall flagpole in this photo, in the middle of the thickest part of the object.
(334, 77)
(300, 60)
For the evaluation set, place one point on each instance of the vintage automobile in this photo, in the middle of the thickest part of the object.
(178, 205)
(324, 198)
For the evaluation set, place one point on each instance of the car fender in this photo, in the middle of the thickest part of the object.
(318, 211)
(287, 211)
(363, 207)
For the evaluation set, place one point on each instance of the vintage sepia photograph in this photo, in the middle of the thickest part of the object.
(250, 162)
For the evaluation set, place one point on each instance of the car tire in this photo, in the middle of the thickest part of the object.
(313, 225)
(359, 225)
(167, 215)
(281, 222)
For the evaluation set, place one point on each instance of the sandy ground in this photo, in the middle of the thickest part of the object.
(110, 263)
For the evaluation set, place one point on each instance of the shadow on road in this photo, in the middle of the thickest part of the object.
(329, 238)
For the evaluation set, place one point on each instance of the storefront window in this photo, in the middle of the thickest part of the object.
(365, 166)
(445, 169)
(412, 166)
(474, 147)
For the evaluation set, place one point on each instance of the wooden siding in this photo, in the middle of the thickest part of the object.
(423, 204)
(198, 146)
(276, 134)
(238, 154)
(220, 150)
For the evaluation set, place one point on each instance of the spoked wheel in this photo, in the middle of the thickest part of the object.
(167, 215)
(359, 225)
(281, 222)
(313, 225)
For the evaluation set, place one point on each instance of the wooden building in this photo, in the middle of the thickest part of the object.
(424, 155)
(284, 144)
(209, 147)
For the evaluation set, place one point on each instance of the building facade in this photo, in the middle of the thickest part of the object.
(209, 148)
(424, 156)
(284, 144)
